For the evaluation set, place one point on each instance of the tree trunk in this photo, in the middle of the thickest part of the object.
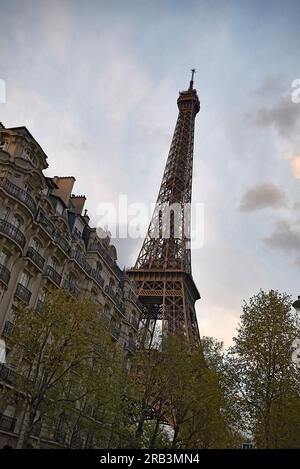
(154, 435)
(175, 436)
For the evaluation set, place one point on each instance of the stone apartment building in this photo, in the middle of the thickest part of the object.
(46, 242)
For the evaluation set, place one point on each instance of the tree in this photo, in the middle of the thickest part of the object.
(260, 369)
(176, 386)
(65, 362)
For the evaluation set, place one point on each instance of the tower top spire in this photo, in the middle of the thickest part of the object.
(193, 70)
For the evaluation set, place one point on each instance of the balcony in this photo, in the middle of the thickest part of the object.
(71, 287)
(35, 257)
(8, 329)
(80, 259)
(134, 322)
(22, 293)
(52, 231)
(53, 275)
(4, 274)
(106, 256)
(62, 243)
(115, 298)
(7, 375)
(115, 332)
(46, 224)
(131, 346)
(7, 423)
(18, 193)
(13, 233)
(97, 276)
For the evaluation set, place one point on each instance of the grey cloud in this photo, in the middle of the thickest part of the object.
(284, 237)
(272, 84)
(284, 116)
(262, 195)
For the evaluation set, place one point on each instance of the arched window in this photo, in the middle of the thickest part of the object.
(99, 267)
(24, 279)
(17, 221)
(4, 256)
(27, 155)
(5, 213)
(36, 245)
(53, 262)
(111, 283)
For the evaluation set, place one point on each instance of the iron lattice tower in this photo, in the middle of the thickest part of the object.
(163, 268)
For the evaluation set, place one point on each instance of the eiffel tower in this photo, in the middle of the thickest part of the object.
(162, 271)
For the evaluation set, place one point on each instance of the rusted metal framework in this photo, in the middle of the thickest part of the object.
(163, 268)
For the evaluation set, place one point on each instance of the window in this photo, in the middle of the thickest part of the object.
(43, 295)
(77, 233)
(27, 155)
(59, 208)
(17, 221)
(4, 145)
(5, 213)
(3, 258)
(36, 245)
(24, 279)
(53, 262)
(99, 267)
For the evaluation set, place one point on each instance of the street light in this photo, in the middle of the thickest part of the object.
(296, 304)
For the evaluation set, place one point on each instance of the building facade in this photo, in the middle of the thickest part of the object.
(46, 242)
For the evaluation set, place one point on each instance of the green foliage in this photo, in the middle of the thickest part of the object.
(263, 378)
(65, 360)
(71, 375)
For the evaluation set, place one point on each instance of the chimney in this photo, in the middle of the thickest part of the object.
(77, 202)
(65, 186)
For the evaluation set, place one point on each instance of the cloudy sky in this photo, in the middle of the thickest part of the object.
(96, 83)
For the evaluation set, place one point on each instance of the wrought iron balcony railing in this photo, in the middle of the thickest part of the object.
(35, 256)
(71, 287)
(106, 256)
(53, 275)
(12, 232)
(115, 298)
(8, 375)
(8, 328)
(115, 332)
(53, 232)
(7, 423)
(22, 293)
(131, 346)
(62, 243)
(134, 322)
(4, 274)
(81, 261)
(20, 194)
(97, 276)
